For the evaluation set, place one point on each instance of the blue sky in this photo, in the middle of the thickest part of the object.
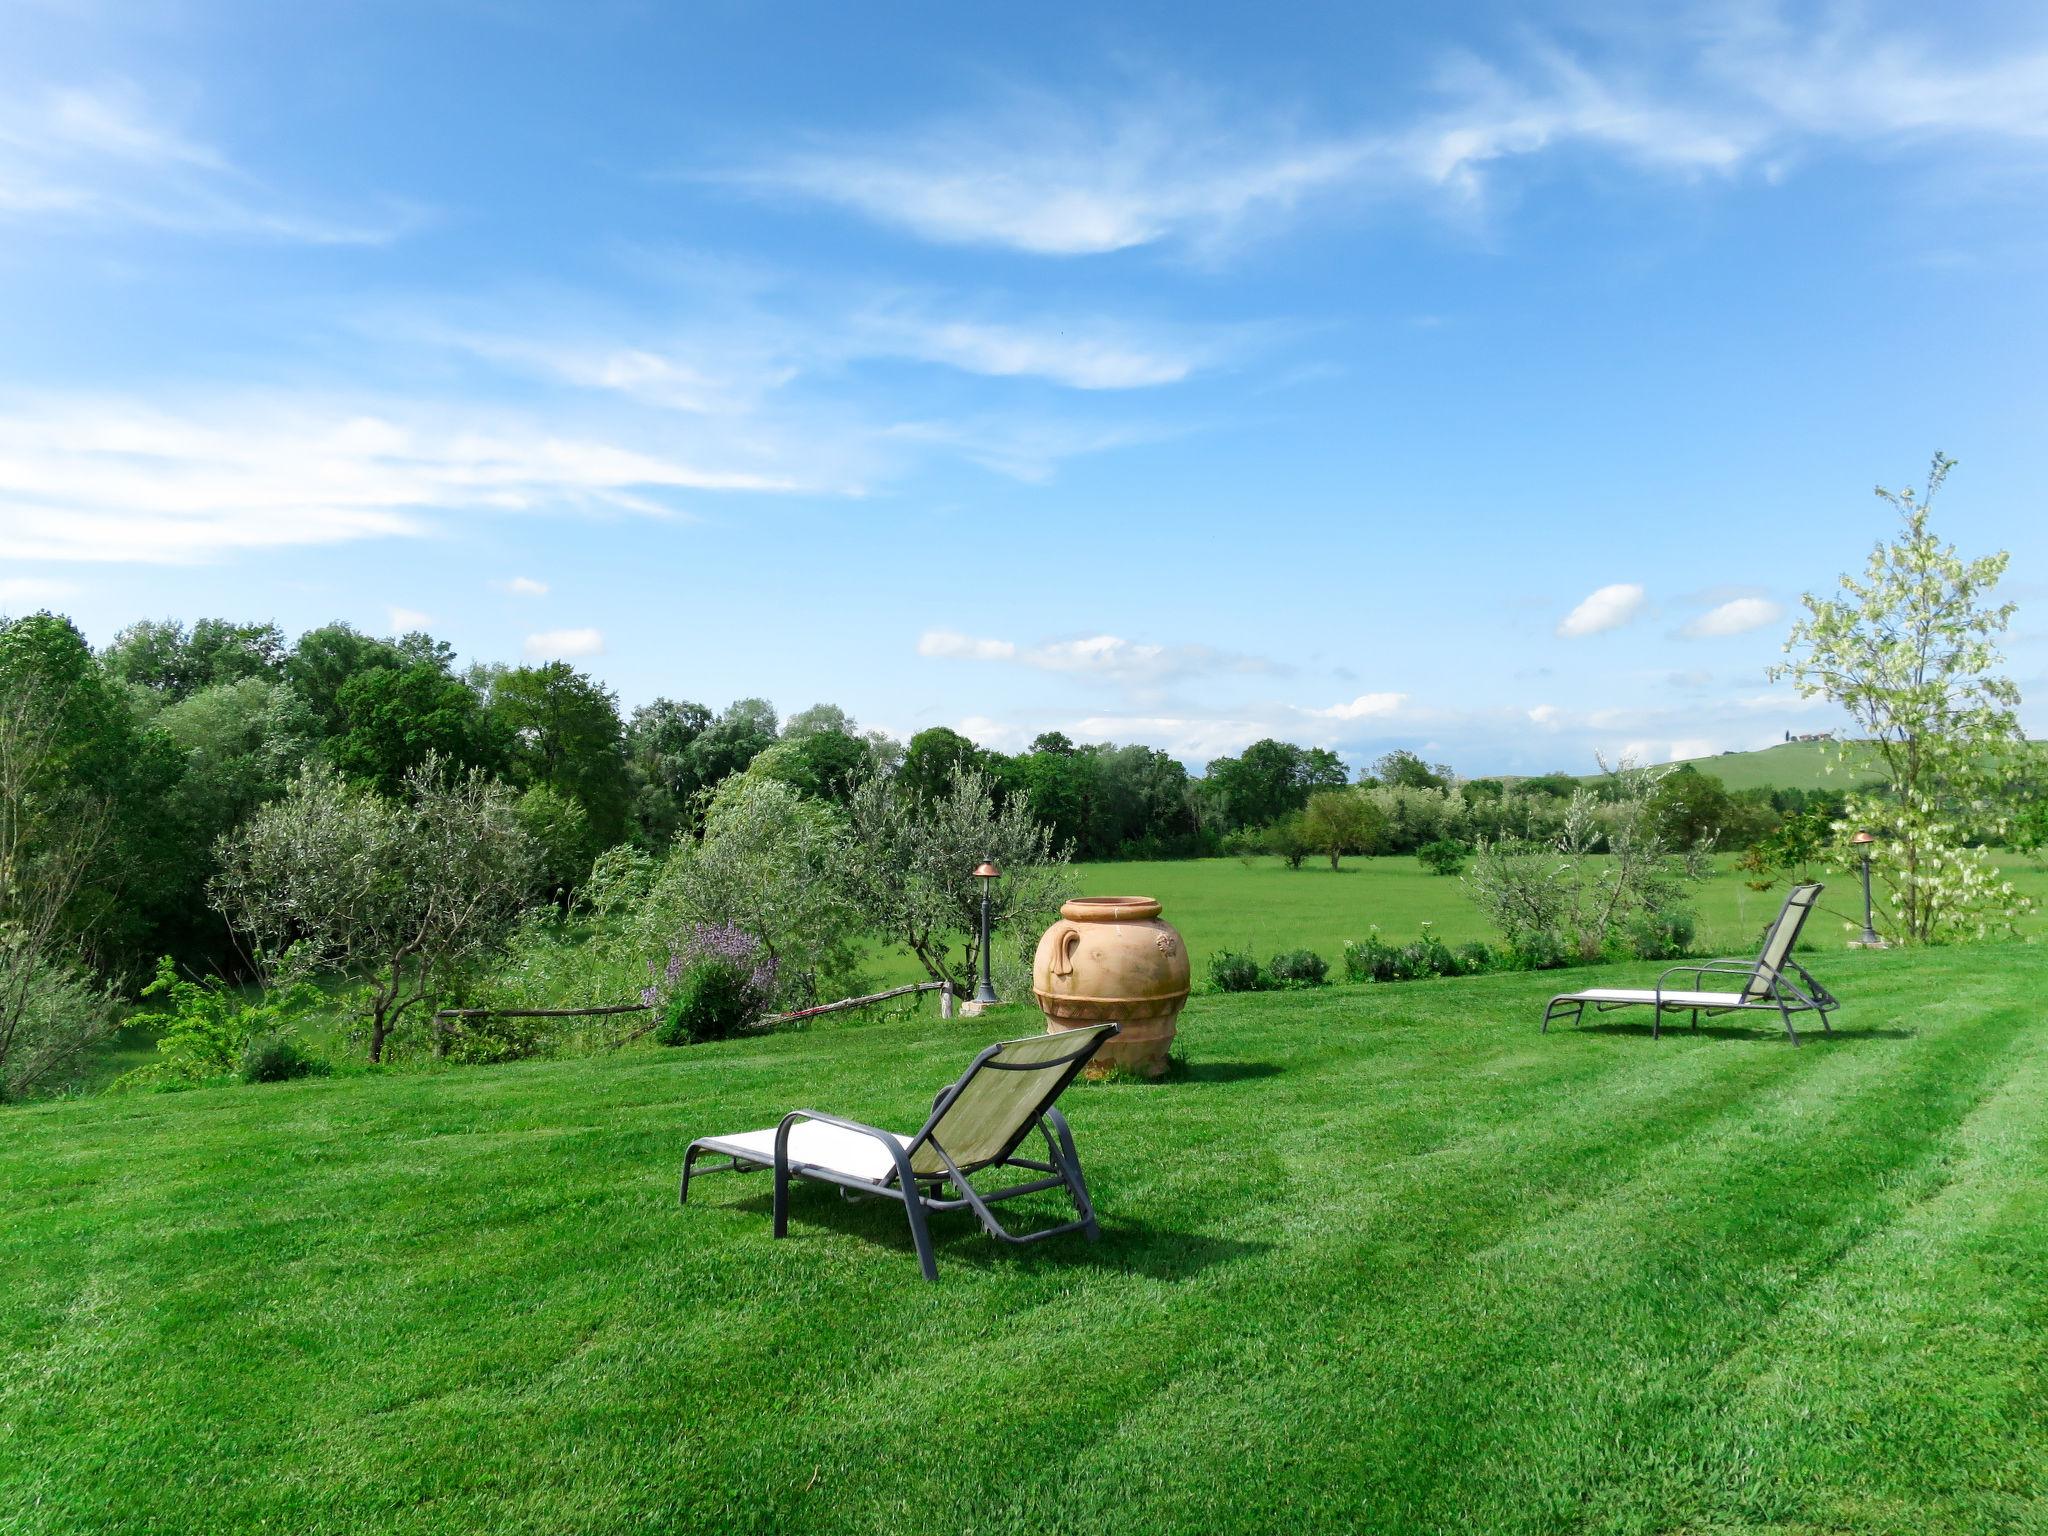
(1489, 383)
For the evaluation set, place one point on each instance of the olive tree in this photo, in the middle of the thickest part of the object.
(1341, 821)
(773, 862)
(1607, 882)
(398, 892)
(53, 829)
(1910, 651)
(914, 862)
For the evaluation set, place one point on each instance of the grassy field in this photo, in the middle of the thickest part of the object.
(1263, 907)
(1384, 1258)
(1789, 765)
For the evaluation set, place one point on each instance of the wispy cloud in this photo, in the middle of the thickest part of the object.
(1367, 706)
(1107, 657)
(526, 586)
(1737, 616)
(104, 153)
(1060, 176)
(564, 645)
(405, 620)
(1609, 607)
(95, 480)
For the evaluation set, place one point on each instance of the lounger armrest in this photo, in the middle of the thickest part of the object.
(897, 1152)
(1698, 968)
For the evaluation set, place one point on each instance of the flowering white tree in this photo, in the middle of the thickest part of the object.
(1910, 651)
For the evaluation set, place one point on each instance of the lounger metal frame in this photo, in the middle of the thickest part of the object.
(920, 1193)
(1766, 988)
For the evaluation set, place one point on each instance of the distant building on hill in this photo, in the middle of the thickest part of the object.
(1810, 736)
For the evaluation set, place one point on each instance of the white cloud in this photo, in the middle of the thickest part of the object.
(1688, 747)
(1608, 608)
(1548, 716)
(1108, 657)
(1064, 177)
(403, 620)
(1737, 616)
(949, 644)
(1061, 178)
(564, 644)
(1081, 355)
(1367, 706)
(526, 586)
(103, 153)
(117, 481)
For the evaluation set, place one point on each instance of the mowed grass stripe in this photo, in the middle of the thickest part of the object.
(1385, 1255)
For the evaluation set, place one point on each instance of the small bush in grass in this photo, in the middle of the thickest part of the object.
(1445, 856)
(1540, 951)
(717, 981)
(1663, 935)
(1427, 956)
(1477, 957)
(1371, 959)
(1230, 971)
(279, 1059)
(1298, 968)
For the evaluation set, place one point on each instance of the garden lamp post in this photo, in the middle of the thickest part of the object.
(1861, 843)
(986, 873)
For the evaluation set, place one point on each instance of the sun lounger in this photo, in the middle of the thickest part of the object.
(976, 1123)
(1767, 987)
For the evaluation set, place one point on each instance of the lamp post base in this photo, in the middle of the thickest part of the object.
(1869, 941)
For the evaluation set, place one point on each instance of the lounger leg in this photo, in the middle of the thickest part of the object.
(1069, 1162)
(781, 1201)
(1656, 1021)
(1786, 1014)
(683, 1191)
(920, 1234)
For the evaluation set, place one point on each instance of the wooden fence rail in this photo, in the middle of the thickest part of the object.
(443, 1021)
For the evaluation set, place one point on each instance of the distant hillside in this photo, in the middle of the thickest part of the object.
(1790, 765)
(1796, 765)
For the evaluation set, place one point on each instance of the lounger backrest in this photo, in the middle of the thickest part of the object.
(1783, 934)
(991, 1109)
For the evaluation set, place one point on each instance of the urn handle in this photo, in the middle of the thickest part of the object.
(1066, 939)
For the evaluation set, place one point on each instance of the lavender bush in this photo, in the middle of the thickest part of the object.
(716, 982)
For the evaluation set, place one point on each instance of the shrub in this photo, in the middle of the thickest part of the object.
(206, 1033)
(1540, 951)
(1230, 971)
(1665, 935)
(716, 983)
(1445, 856)
(278, 1059)
(1427, 956)
(1298, 968)
(1371, 959)
(493, 1037)
(1478, 957)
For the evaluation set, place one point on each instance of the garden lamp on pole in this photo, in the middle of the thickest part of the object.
(986, 873)
(1861, 843)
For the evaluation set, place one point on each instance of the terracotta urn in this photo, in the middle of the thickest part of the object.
(1110, 957)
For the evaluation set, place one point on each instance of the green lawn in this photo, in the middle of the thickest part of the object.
(1383, 1259)
(1263, 907)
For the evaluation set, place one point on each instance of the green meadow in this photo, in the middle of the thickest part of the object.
(1261, 906)
(1380, 1258)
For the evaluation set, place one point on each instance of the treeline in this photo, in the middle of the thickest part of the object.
(184, 731)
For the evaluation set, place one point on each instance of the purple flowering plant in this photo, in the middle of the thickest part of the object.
(723, 944)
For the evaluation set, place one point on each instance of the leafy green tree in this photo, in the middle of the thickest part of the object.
(819, 717)
(323, 660)
(914, 862)
(1446, 856)
(1691, 808)
(742, 731)
(243, 743)
(1341, 821)
(776, 864)
(1910, 652)
(1402, 769)
(1270, 778)
(564, 731)
(563, 844)
(933, 760)
(403, 892)
(659, 767)
(824, 764)
(160, 656)
(392, 719)
(1287, 838)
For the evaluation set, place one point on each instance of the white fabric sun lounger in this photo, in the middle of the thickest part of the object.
(1766, 986)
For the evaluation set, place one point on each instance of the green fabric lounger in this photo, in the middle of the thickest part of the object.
(976, 1123)
(1766, 986)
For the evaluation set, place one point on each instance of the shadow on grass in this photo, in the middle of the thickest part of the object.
(818, 1214)
(1739, 1031)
